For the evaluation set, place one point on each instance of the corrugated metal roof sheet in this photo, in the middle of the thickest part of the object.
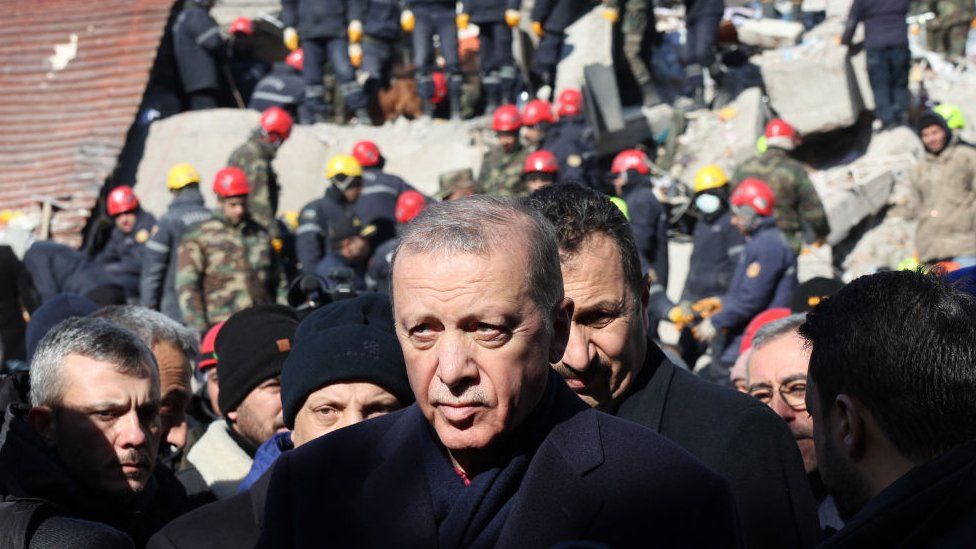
(72, 75)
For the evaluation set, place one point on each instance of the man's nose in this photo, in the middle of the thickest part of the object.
(579, 353)
(130, 431)
(454, 365)
(783, 409)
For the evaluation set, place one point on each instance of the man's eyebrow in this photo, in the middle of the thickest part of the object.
(794, 377)
(760, 385)
(605, 305)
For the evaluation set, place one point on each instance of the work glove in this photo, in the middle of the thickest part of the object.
(462, 21)
(290, 39)
(681, 314)
(356, 55)
(708, 306)
(705, 331)
(355, 31)
(611, 14)
(537, 29)
(407, 21)
(512, 18)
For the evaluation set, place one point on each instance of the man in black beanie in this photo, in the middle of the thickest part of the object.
(252, 347)
(346, 367)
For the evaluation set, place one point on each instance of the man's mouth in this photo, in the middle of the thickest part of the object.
(458, 412)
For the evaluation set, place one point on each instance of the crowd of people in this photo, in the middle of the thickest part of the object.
(484, 366)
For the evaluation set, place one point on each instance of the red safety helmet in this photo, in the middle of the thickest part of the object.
(537, 111)
(440, 87)
(506, 119)
(408, 206)
(275, 121)
(122, 199)
(242, 25)
(569, 102)
(541, 161)
(631, 159)
(208, 356)
(756, 194)
(367, 153)
(778, 127)
(296, 59)
(231, 181)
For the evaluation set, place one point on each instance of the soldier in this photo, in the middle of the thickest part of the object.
(501, 168)
(549, 21)
(226, 263)
(284, 87)
(648, 219)
(378, 201)
(425, 18)
(408, 206)
(537, 118)
(571, 140)
(345, 264)
(495, 20)
(797, 201)
(122, 254)
(637, 26)
(254, 158)
(540, 170)
(199, 50)
(323, 26)
(456, 185)
(157, 286)
(947, 32)
(381, 28)
(345, 176)
(716, 246)
(764, 278)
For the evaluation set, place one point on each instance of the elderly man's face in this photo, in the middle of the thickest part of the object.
(106, 428)
(339, 405)
(475, 343)
(174, 387)
(778, 377)
(607, 342)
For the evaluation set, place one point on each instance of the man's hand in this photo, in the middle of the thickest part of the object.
(290, 39)
(355, 31)
(356, 55)
(705, 331)
(681, 315)
(611, 14)
(462, 20)
(708, 306)
(407, 21)
(537, 29)
(512, 18)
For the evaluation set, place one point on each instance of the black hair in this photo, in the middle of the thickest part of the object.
(904, 344)
(578, 212)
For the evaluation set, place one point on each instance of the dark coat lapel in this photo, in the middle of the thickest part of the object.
(648, 397)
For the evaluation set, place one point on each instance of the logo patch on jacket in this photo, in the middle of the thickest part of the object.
(753, 270)
(142, 236)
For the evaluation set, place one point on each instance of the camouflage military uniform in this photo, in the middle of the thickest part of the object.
(633, 26)
(797, 201)
(254, 157)
(222, 269)
(948, 31)
(501, 172)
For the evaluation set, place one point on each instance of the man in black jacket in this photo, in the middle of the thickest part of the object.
(889, 59)
(550, 18)
(426, 18)
(199, 50)
(612, 366)
(495, 20)
(381, 38)
(892, 392)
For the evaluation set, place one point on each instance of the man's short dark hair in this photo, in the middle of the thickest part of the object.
(578, 212)
(904, 344)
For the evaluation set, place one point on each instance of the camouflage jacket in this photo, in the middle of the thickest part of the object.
(222, 269)
(501, 172)
(797, 202)
(254, 157)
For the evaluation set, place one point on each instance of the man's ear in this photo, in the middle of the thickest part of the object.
(562, 320)
(231, 415)
(42, 421)
(848, 431)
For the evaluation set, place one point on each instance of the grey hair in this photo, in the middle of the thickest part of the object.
(778, 328)
(482, 224)
(151, 326)
(94, 338)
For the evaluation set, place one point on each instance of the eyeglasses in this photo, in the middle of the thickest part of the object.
(794, 394)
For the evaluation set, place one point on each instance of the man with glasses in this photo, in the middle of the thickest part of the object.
(777, 376)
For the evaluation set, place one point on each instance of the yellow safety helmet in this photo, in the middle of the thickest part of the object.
(710, 177)
(181, 175)
(621, 205)
(343, 164)
(953, 115)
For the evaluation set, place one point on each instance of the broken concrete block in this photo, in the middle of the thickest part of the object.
(882, 247)
(769, 33)
(589, 41)
(813, 262)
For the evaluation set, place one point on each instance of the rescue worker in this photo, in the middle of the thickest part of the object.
(455, 185)
(495, 20)
(501, 167)
(716, 246)
(764, 278)
(381, 40)
(284, 87)
(246, 68)
(955, 119)
(345, 176)
(798, 205)
(948, 30)
(637, 27)
(571, 140)
(942, 195)
(345, 264)
(702, 18)
(377, 203)
(122, 254)
(649, 220)
(408, 206)
(255, 159)
(549, 21)
(425, 18)
(326, 28)
(540, 170)
(226, 264)
(537, 118)
(157, 286)
(199, 51)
